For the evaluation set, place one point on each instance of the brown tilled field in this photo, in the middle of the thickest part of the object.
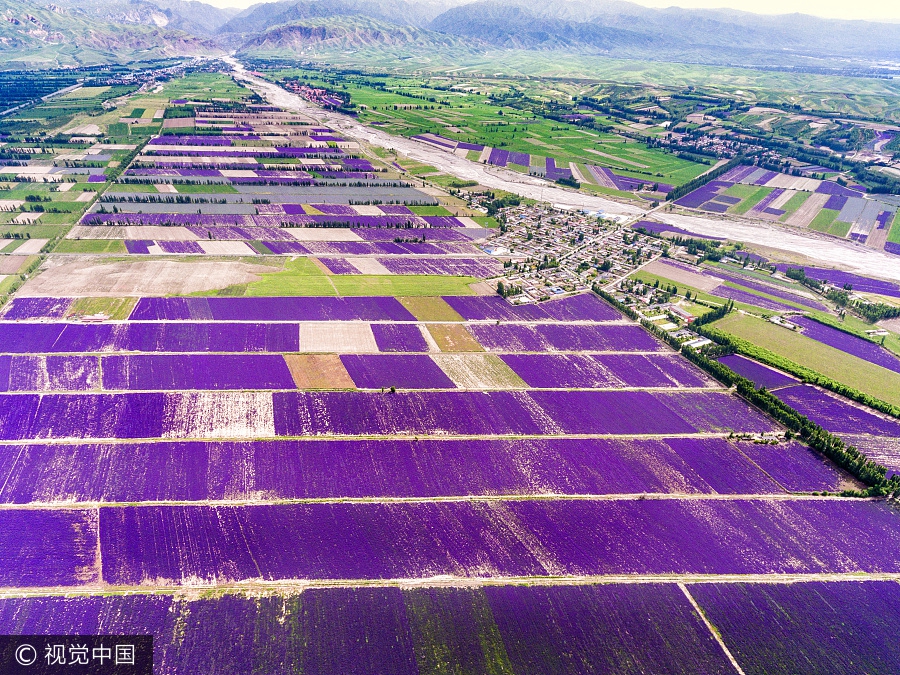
(453, 338)
(318, 371)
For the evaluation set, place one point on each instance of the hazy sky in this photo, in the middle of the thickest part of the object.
(872, 10)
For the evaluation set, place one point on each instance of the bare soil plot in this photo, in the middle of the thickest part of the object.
(85, 197)
(479, 371)
(681, 276)
(341, 337)
(453, 337)
(782, 199)
(318, 371)
(226, 247)
(429, 308)
(219, 415)
(140, 232)
(368, 265)
(27, 218)
(32, 246)
(10, 264)
(166, 187)
(322, 233)
(113, 308)
(808, 210)
(365, 210)
(94, 277)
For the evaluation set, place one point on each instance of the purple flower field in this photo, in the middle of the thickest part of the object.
(174, 372)
(850, 344)
(835, 414)
(764, 288)
(551, 338)
(795, 466)
(369, 308)
(583, 307)
(407, 371)
(324, 469)
(149, 337)
(36, 308)
(399, 337)
(413, 540)
(605, 371)
(859, 283)
(758, 374)
(807, 628)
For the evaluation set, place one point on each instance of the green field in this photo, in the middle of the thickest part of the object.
(302, 277)
(838, 365)
(794, 203)
(823, 220)
(408, 106)
(90, 246)
(894, 233)
(752, 198)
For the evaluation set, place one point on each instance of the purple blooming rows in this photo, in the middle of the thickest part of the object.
(565, 338)
(836, 202)
(758, 374)
(651, 226)
(36, 308)
(390, 541)
(831, 188)
(850, 344)
(369, 308)
(360, 468)
(472, 267)
(807, 628)
(765, 288)
(612, 371)
(582, 307)
(520, 158)
(859, 283)
(174, 372)
(554, 172)
(785, 629)
(180, 247)
(404, 371)
(836, 414)
(763, 204)
(748, 298)
(49, 373)
(47, 547)
(795, 466)
(498, 157)
(338, 266)
(428, 234)
(399, 337)
(151, 337)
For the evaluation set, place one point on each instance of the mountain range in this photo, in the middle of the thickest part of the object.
(87, 31)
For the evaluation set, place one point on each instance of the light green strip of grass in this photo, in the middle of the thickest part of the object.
(752, 200)
(793, 204)
(841, 366)
(823, 220)
(839, 229)
(90, 246)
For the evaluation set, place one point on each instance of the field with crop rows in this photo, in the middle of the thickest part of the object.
(287, 430)
(800, 201)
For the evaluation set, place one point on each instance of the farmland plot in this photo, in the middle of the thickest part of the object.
(548, 488)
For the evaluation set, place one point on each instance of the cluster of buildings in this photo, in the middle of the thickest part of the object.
(552, 252)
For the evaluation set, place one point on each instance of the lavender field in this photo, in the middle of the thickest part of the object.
(277, 428)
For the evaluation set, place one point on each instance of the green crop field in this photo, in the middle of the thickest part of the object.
(407, 106)
(90, 246)
(823, 220)
(838, 365)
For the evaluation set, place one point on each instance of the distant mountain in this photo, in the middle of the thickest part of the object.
(343, 32)
(75, 31)
(629, 29)
(190, 16)
(261, 17)
(517, 27)
(35, 34)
